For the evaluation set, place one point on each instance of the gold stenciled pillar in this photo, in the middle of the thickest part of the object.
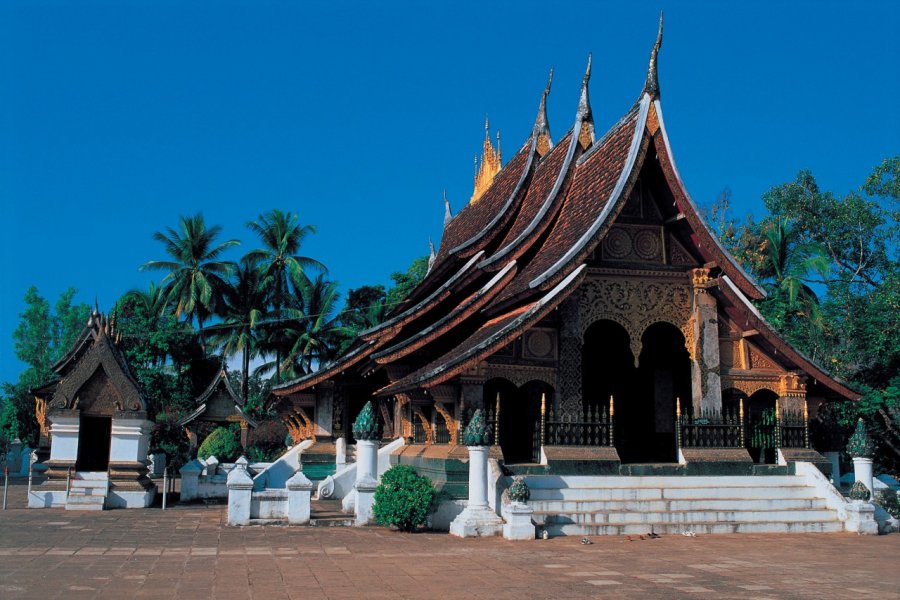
(706, 383)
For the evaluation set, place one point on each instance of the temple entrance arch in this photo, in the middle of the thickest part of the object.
(663, 374)
(607, 365)
(761, 442)
(519, 417)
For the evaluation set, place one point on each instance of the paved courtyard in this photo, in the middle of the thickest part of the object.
(188, 552)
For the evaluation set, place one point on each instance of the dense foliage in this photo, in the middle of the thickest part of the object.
(830, 266)
(889, 501)
(274, 304)
(223, 443)
(266, 441)
(403, 499)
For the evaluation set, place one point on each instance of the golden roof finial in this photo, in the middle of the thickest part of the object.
(541, 130)
(586, 136)
(490, 164)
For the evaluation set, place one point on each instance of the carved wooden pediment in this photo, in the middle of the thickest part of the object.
(98, 383)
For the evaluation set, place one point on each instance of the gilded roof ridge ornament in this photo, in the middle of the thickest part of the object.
(491, 161)
(541, 131)
(448, 214)
(651, 86)
(585, 115)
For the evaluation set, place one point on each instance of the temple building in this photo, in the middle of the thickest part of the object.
(583, 302)
(218, 406)
(96, 417)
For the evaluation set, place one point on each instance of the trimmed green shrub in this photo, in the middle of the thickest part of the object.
(859, 491)
(223, 443)
(403, 498)
(889, 501)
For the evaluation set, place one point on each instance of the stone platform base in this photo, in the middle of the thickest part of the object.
(476, 522)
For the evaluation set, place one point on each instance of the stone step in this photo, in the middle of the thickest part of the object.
(684, 517)
(673, 493)
(332, 521)
(660, 481)
(635, 530)
(82, 502)
(700, 504)
(91, 476)
(88, 485)
(328, 513)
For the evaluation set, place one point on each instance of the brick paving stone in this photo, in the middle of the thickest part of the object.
(188, 552)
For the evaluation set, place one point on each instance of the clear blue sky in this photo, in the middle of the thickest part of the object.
(117, 117)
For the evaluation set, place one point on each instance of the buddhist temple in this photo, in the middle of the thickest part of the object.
(218, 406)
(583, 302)
(96, 417)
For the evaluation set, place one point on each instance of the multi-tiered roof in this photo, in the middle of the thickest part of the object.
(516, 252)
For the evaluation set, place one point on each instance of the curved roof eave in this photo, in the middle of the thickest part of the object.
(768, 332)
(624, 176)
(746, 282)
(439, 327)
(426, 377)
(410, 313)
(310, 379)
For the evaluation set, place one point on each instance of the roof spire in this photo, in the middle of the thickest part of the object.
(541, 131)
(448, 214)
(586, 136)
(431, 253)
(652, 84)
(490, 164)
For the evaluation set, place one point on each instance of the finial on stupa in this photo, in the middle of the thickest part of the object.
(652, 84)
(448, 214)
(541, 131)
(586, 136)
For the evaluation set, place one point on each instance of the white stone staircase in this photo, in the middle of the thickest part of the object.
(582, 505)
(87, 491)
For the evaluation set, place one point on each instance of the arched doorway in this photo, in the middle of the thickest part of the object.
(663, 374)
(607, 369)
(761, 442)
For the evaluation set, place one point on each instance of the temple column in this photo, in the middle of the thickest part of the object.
(706, 384)
(571, 342)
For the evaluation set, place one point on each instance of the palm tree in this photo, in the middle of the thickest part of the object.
(154, 301)
(244, 308)
(313, 330)
(282, 237)
(196, 278)
(788, 264)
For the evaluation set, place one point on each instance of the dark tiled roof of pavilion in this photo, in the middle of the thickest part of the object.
(547, 210)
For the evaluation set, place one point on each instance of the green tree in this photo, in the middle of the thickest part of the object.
(246, 298)
(282, 237)
(405, 283)
(196, 276)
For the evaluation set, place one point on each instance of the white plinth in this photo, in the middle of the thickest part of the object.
(240, 488)
(518, 522)
(129, 440)
(299, 491)
(64, 433)
(861, 518)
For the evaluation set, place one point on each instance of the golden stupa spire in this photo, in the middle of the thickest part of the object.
(491, 161)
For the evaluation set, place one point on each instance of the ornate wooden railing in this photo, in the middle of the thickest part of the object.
(794, 429)
(441, 433)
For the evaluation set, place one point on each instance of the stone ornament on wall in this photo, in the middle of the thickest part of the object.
(636, 304)
(750, 386)
(522, 374)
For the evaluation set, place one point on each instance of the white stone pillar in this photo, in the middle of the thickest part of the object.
(834, 458)
(340, 452)
(240, 489)
(862, 471)
(299, 491)
(129, 440)
(477, 519)
(366, 480)
(518, 522)
(190, 480)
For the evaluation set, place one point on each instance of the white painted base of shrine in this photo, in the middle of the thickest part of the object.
(46, 498)
(130, 499)
(445, 513)
(861, 518)
(518, 522)
(477, 521)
